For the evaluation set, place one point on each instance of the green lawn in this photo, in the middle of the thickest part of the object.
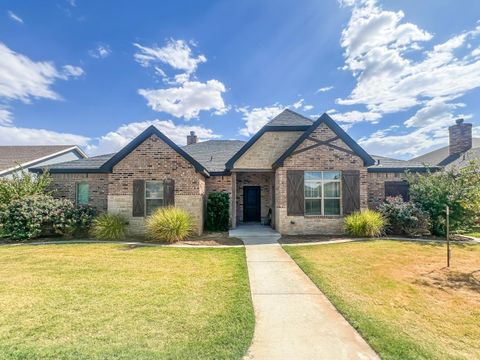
(400, 296)
(475, 234)
(111, 302)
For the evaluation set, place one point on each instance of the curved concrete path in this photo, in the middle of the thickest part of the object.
(294, 320)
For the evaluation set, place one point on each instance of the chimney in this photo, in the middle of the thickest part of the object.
(460, 137)
(192, 138)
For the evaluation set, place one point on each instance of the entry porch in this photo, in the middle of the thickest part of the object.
(253, 197)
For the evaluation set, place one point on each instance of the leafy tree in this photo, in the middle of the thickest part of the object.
(218, 211)
(457, 188)
(22, 185)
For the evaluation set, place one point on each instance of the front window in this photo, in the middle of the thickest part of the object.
(82, 193)
(153, 196)
(322, 193)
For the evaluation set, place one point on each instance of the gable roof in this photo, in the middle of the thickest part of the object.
(105, 163)
(15, 157)
(132, 145)
(327, 120)
(213, 154)
(287, 120)
(441, 156)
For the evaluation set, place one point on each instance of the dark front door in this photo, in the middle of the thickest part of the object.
(251, 203)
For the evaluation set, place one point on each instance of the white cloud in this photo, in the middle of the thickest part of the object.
(100, 52)
(324, 89)
(257, 117)
(5, 116)
(188, 99)
(355, 116)
(23, 79)
(382, 52)
(115, 140)
(10, 135)
(72, 71)
(14, 17)
(176, 53)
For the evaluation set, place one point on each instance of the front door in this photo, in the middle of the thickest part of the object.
(251, 203)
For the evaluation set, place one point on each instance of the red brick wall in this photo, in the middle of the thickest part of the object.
(64, 186)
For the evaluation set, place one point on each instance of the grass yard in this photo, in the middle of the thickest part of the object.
(475, 234)
(114, 302)
(400, 296)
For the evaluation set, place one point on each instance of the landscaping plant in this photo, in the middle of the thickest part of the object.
(109, 227)
(218, 214)
(42, 215)
(459, 189)
(366, 223)
(22, 185)
(169, 224)
(404, 218)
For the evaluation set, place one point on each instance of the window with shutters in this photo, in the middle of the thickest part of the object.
(82, 193)
(322, 192)
(154, 196)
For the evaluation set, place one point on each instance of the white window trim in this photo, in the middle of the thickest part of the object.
(145, 198)
(322, 198)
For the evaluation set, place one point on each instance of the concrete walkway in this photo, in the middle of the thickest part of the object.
(294, 320)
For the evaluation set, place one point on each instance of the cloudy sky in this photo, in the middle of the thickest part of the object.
(96, 73)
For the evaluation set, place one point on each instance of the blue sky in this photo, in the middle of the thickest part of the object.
(394, 74)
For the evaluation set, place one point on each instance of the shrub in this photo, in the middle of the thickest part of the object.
(218, 211)
(169, 224)
(366, 223)
(404, 217)
(109, 227)
(42, 215)
(22, 185)
(459, 189)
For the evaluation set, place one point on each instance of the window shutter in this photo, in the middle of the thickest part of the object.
(138, 209)
(397, 188)
(351, 191)
(169, 192)
(295, 193)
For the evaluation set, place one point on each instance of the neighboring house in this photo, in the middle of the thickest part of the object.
(14, 159)
(298, 175)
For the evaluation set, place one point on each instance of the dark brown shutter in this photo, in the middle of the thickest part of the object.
(169, 192)
(138, 209)
(397, 188)
(295, 193)
(351, 191)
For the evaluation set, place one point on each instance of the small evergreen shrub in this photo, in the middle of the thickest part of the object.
(367, 223)
(169, 224)
(404, 218)
(218, 211)
(109, 227)
(42, 215)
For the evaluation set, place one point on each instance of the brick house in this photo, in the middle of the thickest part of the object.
(299, 176)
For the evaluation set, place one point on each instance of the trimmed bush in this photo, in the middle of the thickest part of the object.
(109, 227)
(404, 218)
(169, 224)
(218, 211)
(367, 223)
(42, 215)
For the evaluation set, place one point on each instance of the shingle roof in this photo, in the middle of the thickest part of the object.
(465, 158)
(213, 154)
(92, 163)
(438, 156)
(289, 118)
(11, 156)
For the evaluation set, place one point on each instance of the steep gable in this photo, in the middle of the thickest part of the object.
(325, 133)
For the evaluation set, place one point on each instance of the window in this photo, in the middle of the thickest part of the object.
(322, 193)
(82, 193)
(153, 196)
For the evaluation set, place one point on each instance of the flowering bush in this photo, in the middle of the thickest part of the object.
(37, 215)
(404, 217)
